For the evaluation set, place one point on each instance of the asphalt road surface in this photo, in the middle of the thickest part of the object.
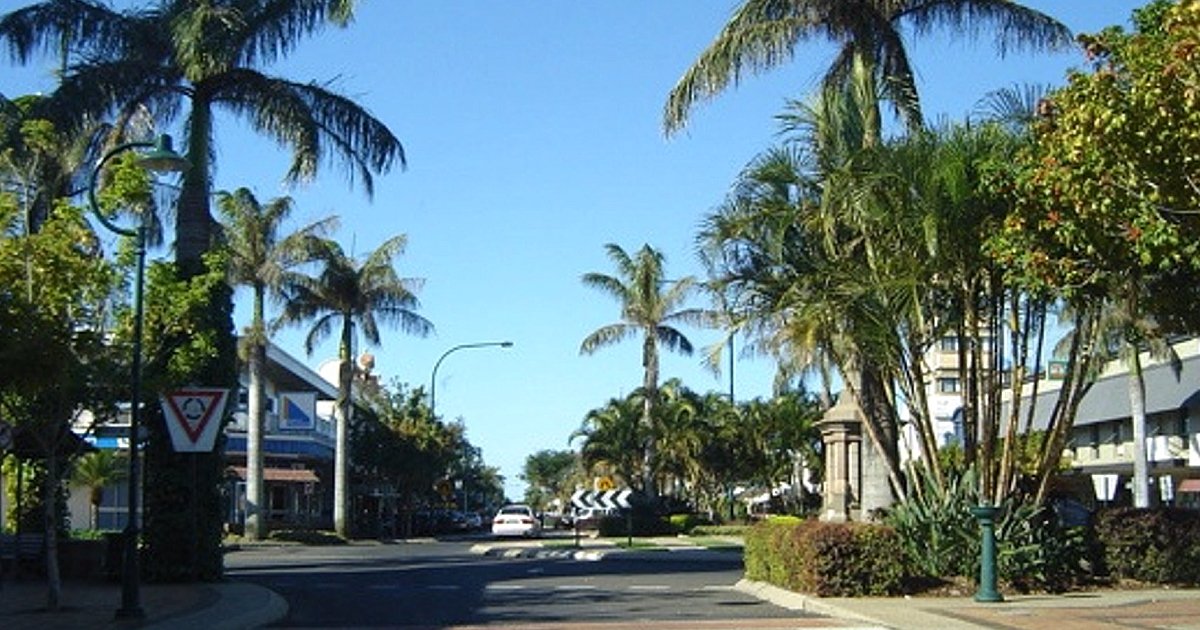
(444, 585)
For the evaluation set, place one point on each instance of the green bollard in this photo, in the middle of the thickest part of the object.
(987, 558)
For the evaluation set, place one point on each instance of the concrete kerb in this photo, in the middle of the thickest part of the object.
(798, 601)
(239, 605)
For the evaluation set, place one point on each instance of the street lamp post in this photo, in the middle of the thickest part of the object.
(433, 391)
(160, 159)
(433, 377)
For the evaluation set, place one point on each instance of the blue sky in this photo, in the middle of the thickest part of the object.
(533, 134)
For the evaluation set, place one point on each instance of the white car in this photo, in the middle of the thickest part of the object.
(516, 520)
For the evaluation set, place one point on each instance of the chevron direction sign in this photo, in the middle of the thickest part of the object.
(608, 499)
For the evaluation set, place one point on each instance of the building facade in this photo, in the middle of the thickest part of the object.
(298, 447)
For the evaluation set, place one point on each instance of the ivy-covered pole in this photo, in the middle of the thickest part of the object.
(161, 159)
(986, 514)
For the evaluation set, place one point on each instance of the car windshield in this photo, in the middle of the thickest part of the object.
(515, 510)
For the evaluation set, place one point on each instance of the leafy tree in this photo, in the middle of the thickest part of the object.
(650, 304)
(872, 55)
(1106, 195)
(351, 294)
(39, 162)
(260, 259)
(549, 475)
(53, 351)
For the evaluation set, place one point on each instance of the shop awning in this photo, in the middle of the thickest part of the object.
(281, 475)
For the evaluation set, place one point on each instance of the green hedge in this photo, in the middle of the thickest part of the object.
(1158, 545)
(825, 559)
(644, 524)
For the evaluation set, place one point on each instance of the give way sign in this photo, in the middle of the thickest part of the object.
(194, 417)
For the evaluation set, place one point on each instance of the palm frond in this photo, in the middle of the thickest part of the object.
(606, 336)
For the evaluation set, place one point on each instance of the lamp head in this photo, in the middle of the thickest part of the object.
(162, 158)
(506, 344)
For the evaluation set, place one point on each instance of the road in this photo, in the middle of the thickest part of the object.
(435, 584)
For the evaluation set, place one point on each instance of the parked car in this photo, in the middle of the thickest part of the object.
(516, 520)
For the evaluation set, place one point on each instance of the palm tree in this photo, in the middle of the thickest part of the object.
(97, 471)
(348, 292)
(198, 57)
(260, 259)
(189, 60)
(613, 436)
(872, 56)
(647, 309)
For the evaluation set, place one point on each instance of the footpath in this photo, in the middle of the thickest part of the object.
(233, 605)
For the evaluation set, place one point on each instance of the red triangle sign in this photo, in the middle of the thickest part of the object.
(194, 411)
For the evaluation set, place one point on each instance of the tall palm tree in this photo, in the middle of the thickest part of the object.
(194, 57)
(650, 304)
(260, 259)
(97, 471)
(872, 54)
(187, 60)
(347, 292)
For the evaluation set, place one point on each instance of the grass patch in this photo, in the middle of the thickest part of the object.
(715, 543)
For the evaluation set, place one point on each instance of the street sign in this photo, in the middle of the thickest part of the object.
(581, 499)
(194, 417)
(608, 500)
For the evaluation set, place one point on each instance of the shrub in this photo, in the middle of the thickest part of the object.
(1037, 553)
(937, 534)
(686, 523)
(1159, 545)
(644, 524)
(825, 559)
(940, 538)
(769, 554)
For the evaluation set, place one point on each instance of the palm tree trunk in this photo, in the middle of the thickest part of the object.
(1137, 408)
(341, 460)
(193, 223)
(867, 97)
(650, 387)
(256, 517)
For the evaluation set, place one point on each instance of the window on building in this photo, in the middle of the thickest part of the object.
(949, 344)
(947, 385)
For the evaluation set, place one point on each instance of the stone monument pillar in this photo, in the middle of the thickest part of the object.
(841, 433)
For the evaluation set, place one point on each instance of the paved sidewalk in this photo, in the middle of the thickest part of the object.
(93, 604)
(1100, 610)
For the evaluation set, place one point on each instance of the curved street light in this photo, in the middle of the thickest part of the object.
(433, 377)
(161, 158)
(433, 392)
